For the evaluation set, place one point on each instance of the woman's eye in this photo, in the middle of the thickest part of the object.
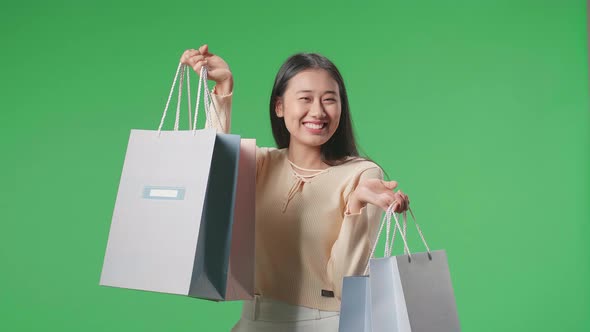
(330, 99)
(305, 98)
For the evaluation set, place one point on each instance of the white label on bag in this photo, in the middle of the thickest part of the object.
(163, 193)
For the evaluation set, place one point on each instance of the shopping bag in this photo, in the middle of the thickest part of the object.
(412, 292)
(172, 223)
(355, 308)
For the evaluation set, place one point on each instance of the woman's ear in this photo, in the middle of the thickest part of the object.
(279, 108)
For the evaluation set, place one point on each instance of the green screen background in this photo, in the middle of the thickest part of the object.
(478, 109)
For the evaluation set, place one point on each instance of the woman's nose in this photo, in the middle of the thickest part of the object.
(317, 110)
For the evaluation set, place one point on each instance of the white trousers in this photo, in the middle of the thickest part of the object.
(262, 315)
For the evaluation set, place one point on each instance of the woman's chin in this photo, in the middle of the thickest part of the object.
(314, 141)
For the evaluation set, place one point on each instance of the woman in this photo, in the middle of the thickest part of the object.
(318, 204)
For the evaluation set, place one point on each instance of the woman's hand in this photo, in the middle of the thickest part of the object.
(380, 193)
(217, 69)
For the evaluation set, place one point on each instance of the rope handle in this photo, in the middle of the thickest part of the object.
(181, 70)
(206, 99)
(180, 66)
(386, 221)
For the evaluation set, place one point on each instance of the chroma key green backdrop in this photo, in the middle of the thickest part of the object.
(478, 108)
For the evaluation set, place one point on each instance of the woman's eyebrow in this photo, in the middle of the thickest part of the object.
(325, 92)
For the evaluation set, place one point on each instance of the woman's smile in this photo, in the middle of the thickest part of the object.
(315, 127)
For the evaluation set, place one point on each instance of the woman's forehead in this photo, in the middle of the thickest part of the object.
(313, 80)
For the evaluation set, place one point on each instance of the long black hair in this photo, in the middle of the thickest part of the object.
(342, 144)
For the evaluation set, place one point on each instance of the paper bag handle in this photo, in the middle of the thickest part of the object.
(182, 68)
(389, 213)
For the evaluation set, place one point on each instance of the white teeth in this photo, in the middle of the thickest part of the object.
(314, 126)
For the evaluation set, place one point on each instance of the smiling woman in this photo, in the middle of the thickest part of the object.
(318, 203)
(310, 85)
(310, 109)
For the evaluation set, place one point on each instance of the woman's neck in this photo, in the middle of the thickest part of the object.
(306, 156)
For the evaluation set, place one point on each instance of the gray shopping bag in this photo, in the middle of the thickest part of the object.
(412, 292)
(355, 306)
(172, 223)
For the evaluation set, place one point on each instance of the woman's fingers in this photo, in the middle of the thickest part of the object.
(381, 193)
(386, 199)
(217, 68)
(396, 206)
(405, 202)
(186, 55)
(399, 202)
(194, 59)
(389, 184)
(191, 56)
(204, 49)
(198, 65)
(384, 194)
(402, 201)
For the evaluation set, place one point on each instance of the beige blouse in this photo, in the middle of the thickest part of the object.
(305, 241)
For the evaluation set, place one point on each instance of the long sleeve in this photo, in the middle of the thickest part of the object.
(350, 252)
(222, 120)
(222, 124)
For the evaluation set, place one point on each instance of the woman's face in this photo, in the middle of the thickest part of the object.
(310, 107)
